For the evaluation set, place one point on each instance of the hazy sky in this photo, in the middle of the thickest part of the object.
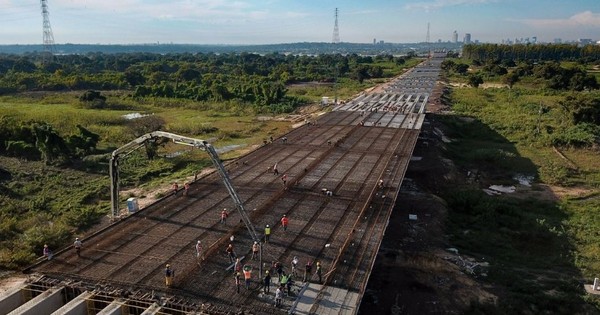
(286, 21)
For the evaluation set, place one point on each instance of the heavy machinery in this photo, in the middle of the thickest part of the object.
(200, 144)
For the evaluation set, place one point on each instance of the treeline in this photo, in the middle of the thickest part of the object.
(537, 52)
(259, 80)
(580, 111)
(554, 76)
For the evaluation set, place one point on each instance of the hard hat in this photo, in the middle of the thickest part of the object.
(284, 215)
(267, 272)
(255, 242)
(77, 238)
(45, 245)
(198, 241)
(267, 225)
(168, 265)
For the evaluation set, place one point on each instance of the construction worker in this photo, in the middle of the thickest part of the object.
(284, 179)
(186, 188)
(224, 215)
(279, 268)
(283, 281)
(284, 222)
(307, 270)
(198, 250)
(289, 283)
(175, 187)
(255, 248)
(267, 233)
(275, 170)
(237, 266)
(247, 275)
(238, 281)
(77, 246)
(267, 282)
(230, 253)
(319, 271)
(278, 296)
(169, 274)
(47, 252)
(294, 266)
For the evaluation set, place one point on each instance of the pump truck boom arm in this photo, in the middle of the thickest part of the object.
(201, 144)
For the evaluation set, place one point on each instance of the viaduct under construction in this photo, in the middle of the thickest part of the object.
(343, 173)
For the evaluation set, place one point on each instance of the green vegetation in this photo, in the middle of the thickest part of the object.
(55, 144)
(541, 247)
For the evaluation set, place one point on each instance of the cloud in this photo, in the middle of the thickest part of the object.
(586, 18)
(438, 4)
(166, 10)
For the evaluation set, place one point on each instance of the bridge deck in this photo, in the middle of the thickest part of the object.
(346, 151)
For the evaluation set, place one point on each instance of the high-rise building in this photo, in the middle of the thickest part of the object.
(455, 37)
(374, 41)
(467, 38)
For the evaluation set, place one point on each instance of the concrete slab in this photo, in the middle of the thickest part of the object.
(306, 299)
(333, 301)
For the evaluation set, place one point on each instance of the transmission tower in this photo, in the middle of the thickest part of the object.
(336, 30)
(427, 41)
(48, 37)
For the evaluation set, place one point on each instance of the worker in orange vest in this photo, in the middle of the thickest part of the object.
(247, 275)
(284, 222)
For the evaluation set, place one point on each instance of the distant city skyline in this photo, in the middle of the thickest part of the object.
(288, 21)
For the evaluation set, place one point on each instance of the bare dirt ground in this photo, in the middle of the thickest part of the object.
(417, 271)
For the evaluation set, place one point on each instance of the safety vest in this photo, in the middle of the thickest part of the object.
(247, 274)
(268, 231)
(284, 221)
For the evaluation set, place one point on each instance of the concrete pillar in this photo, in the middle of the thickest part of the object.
(113, 308)
(152, 310)
(77, 306)
(12, 299)
(45, 303)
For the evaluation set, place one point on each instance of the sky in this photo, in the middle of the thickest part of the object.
(290, 21)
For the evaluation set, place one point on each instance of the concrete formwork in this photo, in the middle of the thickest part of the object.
(45, 303)
(154, 309)
(12, 299)
(114, 308)
(77, 306)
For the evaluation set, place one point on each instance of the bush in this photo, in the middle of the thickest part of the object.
(580, 135)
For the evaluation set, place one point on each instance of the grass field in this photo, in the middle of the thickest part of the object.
(541, 250)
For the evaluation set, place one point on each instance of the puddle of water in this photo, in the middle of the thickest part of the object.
(503, 189)
(133, 116)
(524, 180)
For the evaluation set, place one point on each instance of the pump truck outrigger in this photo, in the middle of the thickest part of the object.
(197, 143)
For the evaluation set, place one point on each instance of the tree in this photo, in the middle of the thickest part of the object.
(581, 108)
(146, 124)
(475, 80)
(50, 144)
(510, 79)
(93, 99)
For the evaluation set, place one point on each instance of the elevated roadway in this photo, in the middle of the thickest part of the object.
(359, 152)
